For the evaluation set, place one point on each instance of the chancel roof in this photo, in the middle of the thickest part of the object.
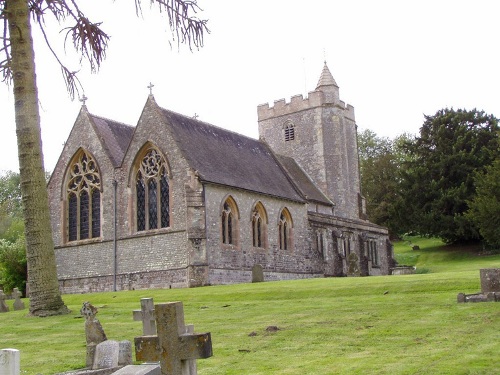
(115, 137)
(227, 158)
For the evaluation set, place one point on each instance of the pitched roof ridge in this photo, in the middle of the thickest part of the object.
(201, 122)
(110, 120)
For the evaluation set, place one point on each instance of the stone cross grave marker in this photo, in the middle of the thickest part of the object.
(147, 315)
(173, 347)
(18, 304)
(3, 305)
(10, 362)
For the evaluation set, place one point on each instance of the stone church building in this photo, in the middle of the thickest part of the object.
(176, 202)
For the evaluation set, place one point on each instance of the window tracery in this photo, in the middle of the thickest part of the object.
(152, 192)
(229, 222)
(259, 226)
(284, 228)
(83, 199)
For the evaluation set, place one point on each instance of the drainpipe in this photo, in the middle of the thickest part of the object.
(115, 265)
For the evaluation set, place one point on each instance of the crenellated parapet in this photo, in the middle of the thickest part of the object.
(298, 103)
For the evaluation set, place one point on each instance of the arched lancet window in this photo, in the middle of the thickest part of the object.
(229, 222)
(83, 193)
(289, 130)
(152, 192)
(285, 230)
(259, 226)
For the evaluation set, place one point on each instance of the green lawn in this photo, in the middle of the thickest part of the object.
(373, 325)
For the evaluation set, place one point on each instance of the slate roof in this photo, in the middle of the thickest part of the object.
(115, 137)
(302, 181)
(227, 158)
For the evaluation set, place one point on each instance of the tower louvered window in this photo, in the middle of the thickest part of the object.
(83, 199)
(289, 132)
(152, 192)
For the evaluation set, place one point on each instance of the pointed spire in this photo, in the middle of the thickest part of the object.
(326, 78)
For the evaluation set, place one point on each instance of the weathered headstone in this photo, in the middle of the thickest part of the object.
(172, 346)
(10, 362)
(18, 304)
(3, 305)
(106, 355)
(257, 274)
(490, 280)
(94, 333)
(147, 315)
(490, 288)
(125, 353)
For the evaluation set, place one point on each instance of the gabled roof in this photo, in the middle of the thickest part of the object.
(302, 181)
(227, 158)
(115, 137)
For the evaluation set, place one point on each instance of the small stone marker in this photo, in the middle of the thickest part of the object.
(125, 353)
(257, 274)
(490, 288)
(106, 355)
(18, 304)
(147, 315)
(3, 305)
(172, 346)
(10, 362)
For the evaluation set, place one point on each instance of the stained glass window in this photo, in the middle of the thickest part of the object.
(83, 198)
(152, 192)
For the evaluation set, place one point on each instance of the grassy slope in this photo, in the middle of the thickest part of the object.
(377, 325)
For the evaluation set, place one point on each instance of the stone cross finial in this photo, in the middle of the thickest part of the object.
(3, 305)
(195, 116)
(172, 346)
(150, 87)
(83, 99)
(18, 304)
(147, 315)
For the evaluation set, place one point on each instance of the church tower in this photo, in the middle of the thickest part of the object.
(319, 132)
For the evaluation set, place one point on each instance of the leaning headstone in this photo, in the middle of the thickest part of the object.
(10, 362)
(257, 274)
(3, 305)
(106, 355)
(172, 346)
(147, 315)
(18, 304)
(94, 333)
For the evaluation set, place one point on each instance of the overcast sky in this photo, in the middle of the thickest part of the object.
(393, 60)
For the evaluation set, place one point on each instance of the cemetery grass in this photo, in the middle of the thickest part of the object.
(408, 324)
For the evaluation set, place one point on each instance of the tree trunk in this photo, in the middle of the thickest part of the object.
(45, 297)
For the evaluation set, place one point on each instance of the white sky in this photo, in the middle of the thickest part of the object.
(394, 61)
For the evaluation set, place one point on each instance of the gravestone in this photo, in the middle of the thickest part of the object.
(10, 362)
(106, 355)
(145, 369)
(490, 280)
(125, 353)
(3, 305)
(147, 315)
(18, 304)
(94, 333)
(173, 347)
(490, 288)
(257, 274)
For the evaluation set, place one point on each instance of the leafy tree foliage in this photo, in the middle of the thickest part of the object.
(380, 167)
(485, 206)
(13, 269)
(438, 177)
(17, 65)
